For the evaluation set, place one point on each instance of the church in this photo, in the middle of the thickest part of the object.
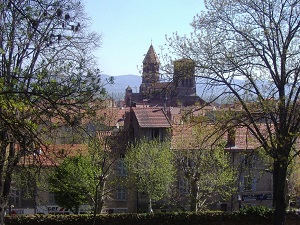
(180, 91)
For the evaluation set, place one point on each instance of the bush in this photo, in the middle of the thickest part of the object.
(247, 216)
(261, 211)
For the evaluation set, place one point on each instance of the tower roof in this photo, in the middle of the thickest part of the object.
(151, 56)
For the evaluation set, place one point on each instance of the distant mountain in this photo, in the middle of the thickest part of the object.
(117, 90)
(121, 82)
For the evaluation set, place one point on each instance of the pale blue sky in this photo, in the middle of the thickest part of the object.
(128, 26)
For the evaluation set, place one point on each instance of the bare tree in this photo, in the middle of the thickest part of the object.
(47, 71)
(249, 51)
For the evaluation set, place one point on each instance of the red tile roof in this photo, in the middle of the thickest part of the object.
(244, 140)
(53, 155)
(194, 136)
(151, 118)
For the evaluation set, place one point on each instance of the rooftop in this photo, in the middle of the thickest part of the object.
(151, 118)
(151, 56)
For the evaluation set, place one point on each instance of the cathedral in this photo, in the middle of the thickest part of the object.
(180, 91)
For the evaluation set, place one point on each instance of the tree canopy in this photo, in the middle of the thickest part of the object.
(150, 166)
(47, 71)
(204, 165)
(73, 182)
(248, 51)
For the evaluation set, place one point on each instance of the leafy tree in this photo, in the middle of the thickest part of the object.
(73, 182)
(86, 179)
(249, 51)
(204, 165)
(150, 166)
(47, 71)
(293, 184)
(105, 144)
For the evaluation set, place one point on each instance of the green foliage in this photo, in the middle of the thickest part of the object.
(207, 218)
(151, 168)
(260, 211)
(248, 49)
(47, 73)
(73, 182)
(204, 165)
(27, 179)
(47, 78)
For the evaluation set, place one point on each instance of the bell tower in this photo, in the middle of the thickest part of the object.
(150, 74)
(184, 77)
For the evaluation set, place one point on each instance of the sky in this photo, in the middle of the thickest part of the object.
(128, 28)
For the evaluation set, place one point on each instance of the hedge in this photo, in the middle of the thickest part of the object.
(206, 218)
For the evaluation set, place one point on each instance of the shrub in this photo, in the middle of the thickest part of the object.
(247, 216)
(261, 211)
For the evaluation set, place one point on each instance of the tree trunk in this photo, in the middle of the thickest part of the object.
(95, 207)
(100, 197)
(6, 171)
(3, 203)
(99, 201)
(150, 206)
(279, 191)
(2, 212)
(194, 196)
(77, 210)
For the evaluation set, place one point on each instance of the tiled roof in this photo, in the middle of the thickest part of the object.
(188, 136)
(244, 140)
(151, 56)
(162, 85)
(53, 155)
(151, 117)
(136, 97)
(109, 116)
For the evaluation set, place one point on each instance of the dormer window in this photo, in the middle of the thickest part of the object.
(231, 138)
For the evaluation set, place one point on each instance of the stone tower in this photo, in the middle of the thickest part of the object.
(150, 74)
(184, 77)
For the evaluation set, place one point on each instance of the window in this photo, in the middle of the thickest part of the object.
(121, 210)
(249, 161)
(183, 84)
(15, 198)
(249, 183)
(187, 162)
(155, 133)
(121, 194)
(183, 186)
(231, 138)
(52, 198)
(121, 166)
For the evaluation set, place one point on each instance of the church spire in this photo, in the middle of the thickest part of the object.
(151, 56)
(150, 74)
